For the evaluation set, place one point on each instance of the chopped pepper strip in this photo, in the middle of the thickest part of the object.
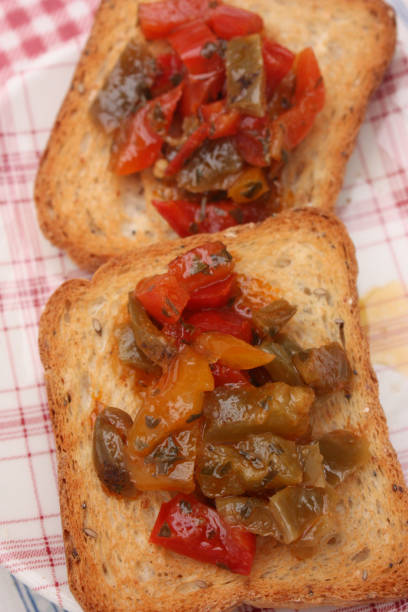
(222, 122)
(230, 351)
(309, 98)
(139, 140)
(197, 46)
(162, 296)
(230, 21)
(199, 89)
(170, 73)
(189, 527)
(174, 403)
(223, 375)
(214, 295)
(187, 149)
(157, 19)
(278, 61)
(208, 263)
(250, 185)
(224, 321)
(246, 75)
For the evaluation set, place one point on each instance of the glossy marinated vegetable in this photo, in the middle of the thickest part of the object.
(211, 167)
(231, 414)
(258, 463)
(130, 354)
(296, 509)
(326, 368)
(204, 265)
(148, 338)
(138, 141)
(250, 512)
(250, 185)
(230, 351)
(191, 528)
(246, 75)
(170, 465)
(174, 403)
(163, 297)
(270, 319)
(282, 367)
(343, 452)
(109, 451)
(126, 88)
(312, 462)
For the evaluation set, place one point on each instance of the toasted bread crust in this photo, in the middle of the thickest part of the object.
(90, 212)
(309, 256)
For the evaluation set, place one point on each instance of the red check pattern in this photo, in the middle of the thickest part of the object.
(40, 41)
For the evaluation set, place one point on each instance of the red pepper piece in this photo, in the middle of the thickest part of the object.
(198, 48)
(170, 73)
(163, 297)
(181, 332)
(220, 216)
(189, 527)
(309, 80)
(140, 139)
(278, 61)
(309, 99)
(187, 218)
(199, 89)
(224, 375)
(179, 214)
(229, 21)
(203, 265)
(157, 19)
(253, 140)
(212, 296)
(222, 122)
(187, 149)
(224, 321)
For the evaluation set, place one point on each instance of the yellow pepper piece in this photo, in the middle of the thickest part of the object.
(231, 351)
(174, 403)
(250, 185)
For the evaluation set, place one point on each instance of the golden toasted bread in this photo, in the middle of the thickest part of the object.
(94, 214)
(308, 256)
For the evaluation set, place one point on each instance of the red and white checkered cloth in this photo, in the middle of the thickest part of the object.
(40, 41)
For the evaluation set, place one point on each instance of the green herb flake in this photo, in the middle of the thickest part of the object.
(251, 189)
(245, 510)
(185, 506)
(209, 49)
(165, 531)
(172, 306)
(194, 417)
(151, 422)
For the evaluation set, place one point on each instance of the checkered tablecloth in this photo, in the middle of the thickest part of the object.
(40, 41)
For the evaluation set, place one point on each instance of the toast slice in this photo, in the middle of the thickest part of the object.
(93, 214)
(111, 564)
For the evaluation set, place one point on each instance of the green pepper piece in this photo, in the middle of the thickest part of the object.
(130, 354)
(260, 462)
(343, 452)
(271, 318)
(232, 413)
(312, 461)
(253, 513)
(296, 509)
(109, 454)
(148, 337)
(126, 88)
(282, 367)
(326, 368)
(209, 166)
(246, 75)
